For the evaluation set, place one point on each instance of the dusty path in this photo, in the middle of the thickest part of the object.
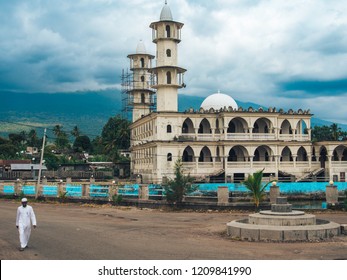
(72, 231)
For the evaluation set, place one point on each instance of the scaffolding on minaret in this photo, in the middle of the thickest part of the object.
(129, 84)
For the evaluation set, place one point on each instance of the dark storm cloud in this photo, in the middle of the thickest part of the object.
(245, 48)
(308, 88)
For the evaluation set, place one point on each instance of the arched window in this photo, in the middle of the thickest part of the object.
(168, 128)
(168, 53)
(142, 78)
(142, 60)
(168, 31)
(168, 77)
(188, 155)
(143, 98)
(169, 157)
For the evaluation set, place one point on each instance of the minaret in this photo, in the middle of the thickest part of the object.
(141, 94)
(167, 76)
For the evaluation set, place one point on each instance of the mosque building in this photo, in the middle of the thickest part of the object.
(221, 141)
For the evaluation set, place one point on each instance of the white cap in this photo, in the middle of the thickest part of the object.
(24, 199)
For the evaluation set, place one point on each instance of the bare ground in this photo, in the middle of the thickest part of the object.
(76, 231)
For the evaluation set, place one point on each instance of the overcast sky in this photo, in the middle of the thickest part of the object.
(281, 53)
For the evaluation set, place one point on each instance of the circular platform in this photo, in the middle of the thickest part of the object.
(282, 219)
(292, 213)
(243, 230)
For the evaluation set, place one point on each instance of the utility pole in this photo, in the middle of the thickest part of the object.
(41, 160)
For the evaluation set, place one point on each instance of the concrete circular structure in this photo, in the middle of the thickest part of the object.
(282, 226)
(218, 101)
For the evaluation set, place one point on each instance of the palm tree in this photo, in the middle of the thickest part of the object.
(254, 184)
(57, 130)
(335, 132)
(75, 132)
(32, 138)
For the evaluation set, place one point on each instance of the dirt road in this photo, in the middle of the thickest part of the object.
(87, 232)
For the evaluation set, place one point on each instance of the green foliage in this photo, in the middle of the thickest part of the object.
(62, 140)
(51, 161)
(117, 199)
(115, 136)
(62, 196)
(75, 132)
(177, 188)
(82, 143)
(32, 139)
(16, 139)
(8, 151)
(328, 133)
(254, 184)
(4, 141)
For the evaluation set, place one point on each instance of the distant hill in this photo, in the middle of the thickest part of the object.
(89, 110)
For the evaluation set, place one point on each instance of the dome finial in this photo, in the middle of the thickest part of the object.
(165, 14)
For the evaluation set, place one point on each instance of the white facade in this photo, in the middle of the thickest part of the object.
(222, 142)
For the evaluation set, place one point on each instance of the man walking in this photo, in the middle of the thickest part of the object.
(25, 218)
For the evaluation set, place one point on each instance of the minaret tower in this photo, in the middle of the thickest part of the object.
(141, 94)
(167, 76)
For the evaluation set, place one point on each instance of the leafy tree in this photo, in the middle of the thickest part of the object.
(51, 161)
(180, 186)
(254, 184)
(321, 133)
(82, 143)
(328, 133)
(98, 147)
(115, 136)
(4, 141)
(16, 138)
(8, 151)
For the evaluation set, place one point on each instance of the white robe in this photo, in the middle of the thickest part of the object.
(25, 218)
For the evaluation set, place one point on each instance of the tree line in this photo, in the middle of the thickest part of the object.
(70, 146)
(328, 133)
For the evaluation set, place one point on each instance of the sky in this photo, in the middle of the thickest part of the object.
(279, 53)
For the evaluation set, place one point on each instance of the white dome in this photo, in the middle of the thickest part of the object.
(166, 13)
(141, 49)
(217, 101)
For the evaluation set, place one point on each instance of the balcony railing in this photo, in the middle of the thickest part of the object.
(297, 137)
(242, 136)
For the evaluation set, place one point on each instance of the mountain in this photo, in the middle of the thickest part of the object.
(89, 110)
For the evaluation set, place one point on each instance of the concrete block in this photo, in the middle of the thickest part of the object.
(144, 192)
(313, 234)
(274, 193)
(343, 229)
(331, 232)
(281, 200)
(250, 234)
(281, 207)
(223, 195)
(332, 194)
(294, 234)
(234, 232)
(274, 235)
